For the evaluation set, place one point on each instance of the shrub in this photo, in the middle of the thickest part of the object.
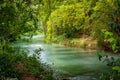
(15, 63)
(66, 20)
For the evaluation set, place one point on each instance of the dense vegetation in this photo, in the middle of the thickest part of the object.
(60, 19)
(97, 18)
(16, 64)
(18, 18)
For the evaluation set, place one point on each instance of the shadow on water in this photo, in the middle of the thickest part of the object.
(66, 61)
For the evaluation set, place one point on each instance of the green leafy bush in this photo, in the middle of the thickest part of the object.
(106, 23)
(8, 65)
(66, 20)
(109, 36)
(15, 63)
(114, 72)
(16, 18)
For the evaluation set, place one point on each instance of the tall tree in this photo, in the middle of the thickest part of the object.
(46, 7)
(15, 16)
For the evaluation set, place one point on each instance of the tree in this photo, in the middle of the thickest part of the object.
(46, 7)
(71, 20)
(15, 17)
(106, 23)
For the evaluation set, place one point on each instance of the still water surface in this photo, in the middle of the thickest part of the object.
(82, 64)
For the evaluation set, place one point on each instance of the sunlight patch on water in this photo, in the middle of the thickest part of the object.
(38, 36)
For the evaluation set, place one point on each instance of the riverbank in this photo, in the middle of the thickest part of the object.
(84, 42)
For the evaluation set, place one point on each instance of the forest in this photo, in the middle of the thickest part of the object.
(88, 24)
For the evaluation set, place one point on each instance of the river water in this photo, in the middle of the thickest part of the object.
(79, 64)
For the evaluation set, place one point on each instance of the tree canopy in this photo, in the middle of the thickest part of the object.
(17, 17)
(70, 18)
(97, 18)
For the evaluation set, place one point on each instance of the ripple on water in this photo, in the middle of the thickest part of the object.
(71, 61)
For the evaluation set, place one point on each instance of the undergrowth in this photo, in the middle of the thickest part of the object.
(15, 63)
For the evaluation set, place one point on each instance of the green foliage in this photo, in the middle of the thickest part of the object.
(87, 17)
(114, 73)
(16, 17)
(14, 63)
(84, 44)
(66, 20)
(59, 38)
(72, 19)
(106, 18)
(111, 39)
(116, 68)
(46, 7)
(7, 65)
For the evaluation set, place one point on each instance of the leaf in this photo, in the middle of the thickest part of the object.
(116, 68)
(112, 40)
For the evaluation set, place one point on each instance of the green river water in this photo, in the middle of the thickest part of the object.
(80, 64)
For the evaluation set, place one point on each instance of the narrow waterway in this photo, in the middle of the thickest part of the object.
(80, 64)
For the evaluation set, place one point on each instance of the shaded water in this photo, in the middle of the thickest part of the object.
(69, 62)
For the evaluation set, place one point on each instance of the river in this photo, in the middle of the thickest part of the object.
(77, 63)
